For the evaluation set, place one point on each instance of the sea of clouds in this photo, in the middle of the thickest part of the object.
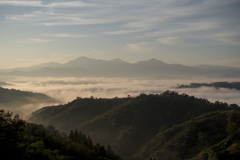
(67, 89)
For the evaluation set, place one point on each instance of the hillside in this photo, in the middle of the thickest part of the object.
(15, 100)
(127, 124)
(26, 141)
(214, 135)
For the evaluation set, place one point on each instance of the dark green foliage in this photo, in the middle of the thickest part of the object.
(128, 124)
(26, 141)
(212, 136)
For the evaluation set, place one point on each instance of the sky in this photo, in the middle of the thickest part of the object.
(189, 32)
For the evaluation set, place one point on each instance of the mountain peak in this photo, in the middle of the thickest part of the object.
(154, 60)
(118, 60)
(82, 58)
(151, 61)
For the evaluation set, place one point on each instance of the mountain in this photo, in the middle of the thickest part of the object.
(22, 101)
(84, 66)
(129, 124)
(219, 70)
(35, 67)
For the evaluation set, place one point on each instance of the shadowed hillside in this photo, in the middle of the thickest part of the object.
(127, 124)
(16, 100)
(214, 135)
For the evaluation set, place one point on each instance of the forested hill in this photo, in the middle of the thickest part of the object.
(12, 97)
(217, 85)
(130, 125)
(20, 140)
(23, 102)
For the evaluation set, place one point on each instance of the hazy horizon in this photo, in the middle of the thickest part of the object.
(184, 32)
(130, 62)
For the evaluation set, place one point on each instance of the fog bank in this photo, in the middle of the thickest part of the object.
(67, 89)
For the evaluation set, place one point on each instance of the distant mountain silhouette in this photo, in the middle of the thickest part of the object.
(84, 66)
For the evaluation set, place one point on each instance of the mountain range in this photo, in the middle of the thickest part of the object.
(166, 126)
(88, 67)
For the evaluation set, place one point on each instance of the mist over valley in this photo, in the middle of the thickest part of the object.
(115, 78)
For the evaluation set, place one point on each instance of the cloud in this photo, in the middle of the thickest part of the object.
(22, 3)
(68, 35)
(66, 4)
(36, 40)
(120, 32)
(137, 47)
(229, 37)
(67, 89)
(169, 40)
(212, 94)
(154, 17)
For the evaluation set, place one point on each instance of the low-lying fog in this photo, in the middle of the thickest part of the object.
(67, 89)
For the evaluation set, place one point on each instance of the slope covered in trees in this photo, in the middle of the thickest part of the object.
(129, 124)
(214, 135)
(12, 97)
(16, 100)
(26, 141)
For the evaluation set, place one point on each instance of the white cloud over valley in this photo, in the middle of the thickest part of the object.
(67, 89)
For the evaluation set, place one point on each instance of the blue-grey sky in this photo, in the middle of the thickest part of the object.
(189, 32)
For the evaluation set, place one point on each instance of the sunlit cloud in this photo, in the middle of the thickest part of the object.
(36, 40)
(67, 89)
(137, 47)
(68, 35)
(169, 40)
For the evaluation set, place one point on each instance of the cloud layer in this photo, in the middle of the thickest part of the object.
(68, 89)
